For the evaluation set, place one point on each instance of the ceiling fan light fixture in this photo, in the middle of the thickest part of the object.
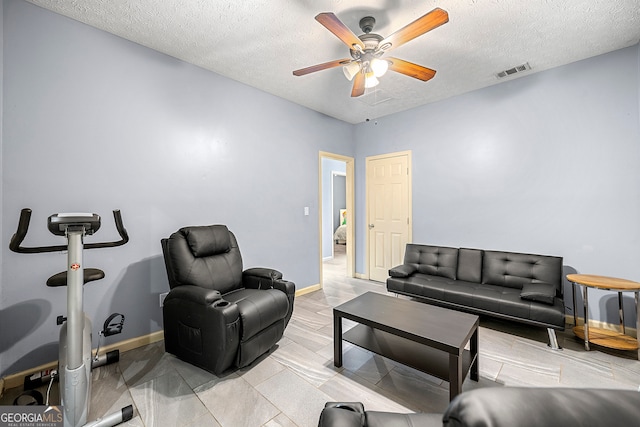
(351, 69)
(379, 67)
(370, 80)
(366, 67)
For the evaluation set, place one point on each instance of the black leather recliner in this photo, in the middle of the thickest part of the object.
(216, 315)
(504, 407)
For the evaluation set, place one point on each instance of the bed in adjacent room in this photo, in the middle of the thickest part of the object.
(340, 235)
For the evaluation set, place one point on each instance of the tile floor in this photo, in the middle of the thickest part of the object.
(290, 385)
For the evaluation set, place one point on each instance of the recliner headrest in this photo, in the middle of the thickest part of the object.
(207, 240)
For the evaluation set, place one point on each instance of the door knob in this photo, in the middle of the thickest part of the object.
(371, 226)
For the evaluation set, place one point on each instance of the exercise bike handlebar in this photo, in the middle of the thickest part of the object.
(23, 227)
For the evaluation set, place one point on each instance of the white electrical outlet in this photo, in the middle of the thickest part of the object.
(162, 297)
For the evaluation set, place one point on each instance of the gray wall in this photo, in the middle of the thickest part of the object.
(546, 164)
(93, 122)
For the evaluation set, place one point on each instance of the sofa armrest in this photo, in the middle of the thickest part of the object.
(404, 270)
(195, 294)
(260, 278)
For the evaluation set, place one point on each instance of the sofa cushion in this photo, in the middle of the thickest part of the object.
(470, 265)
(500, 301)
(515, 269)
(403, 270)
(433, 260)
(539, 291)
(258, 309)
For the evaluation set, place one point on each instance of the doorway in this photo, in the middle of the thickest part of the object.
(336, 219)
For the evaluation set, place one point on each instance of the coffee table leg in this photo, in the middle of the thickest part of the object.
(475, 366)
(455, 375)
(337, 340)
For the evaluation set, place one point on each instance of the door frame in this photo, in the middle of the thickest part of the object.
(350, 196)
(367, 273)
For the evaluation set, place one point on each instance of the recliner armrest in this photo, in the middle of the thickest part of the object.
(260, 278)
(194, 294)
(201, 327)
(289, 289)
(404, 270)
(342, 414)
(285, 286)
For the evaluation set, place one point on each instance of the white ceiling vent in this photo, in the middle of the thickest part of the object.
(514, 70)
(376, 97)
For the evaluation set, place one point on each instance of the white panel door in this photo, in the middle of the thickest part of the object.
(388, 212)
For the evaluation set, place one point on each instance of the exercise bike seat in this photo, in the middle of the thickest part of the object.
(60, 279)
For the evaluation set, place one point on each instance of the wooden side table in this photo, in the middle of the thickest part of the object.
(599, 336)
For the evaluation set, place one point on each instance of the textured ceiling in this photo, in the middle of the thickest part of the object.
(261, 42)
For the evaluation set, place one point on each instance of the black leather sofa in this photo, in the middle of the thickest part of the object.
(504, 406)
(522, 287)
(218, 315)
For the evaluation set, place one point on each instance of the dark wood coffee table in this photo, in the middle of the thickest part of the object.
(426, 337)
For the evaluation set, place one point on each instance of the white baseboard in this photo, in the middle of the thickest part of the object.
(308, 289)
(15, 380)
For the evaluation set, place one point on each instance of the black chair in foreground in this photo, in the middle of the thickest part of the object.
(504, 407)
(216, 315)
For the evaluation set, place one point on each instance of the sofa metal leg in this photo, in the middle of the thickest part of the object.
(553, 340)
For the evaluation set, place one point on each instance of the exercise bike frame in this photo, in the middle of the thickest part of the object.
(23, 227)
(75, 357)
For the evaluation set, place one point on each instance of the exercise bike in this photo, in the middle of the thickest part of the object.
(75, 356)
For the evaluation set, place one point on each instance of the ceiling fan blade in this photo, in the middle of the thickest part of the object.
(335, 25)
(358, 85)
(426, 23)
(324, 66)
(410, 69)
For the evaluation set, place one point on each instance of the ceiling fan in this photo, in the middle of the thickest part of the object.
(365, 64)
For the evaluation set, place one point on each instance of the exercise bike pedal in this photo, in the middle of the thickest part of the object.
(112, 328)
